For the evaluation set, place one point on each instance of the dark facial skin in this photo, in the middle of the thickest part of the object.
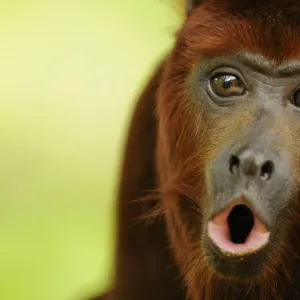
(254, 157)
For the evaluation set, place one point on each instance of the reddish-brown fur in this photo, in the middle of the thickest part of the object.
(160, 207)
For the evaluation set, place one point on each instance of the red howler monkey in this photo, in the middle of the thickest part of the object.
(209, 205)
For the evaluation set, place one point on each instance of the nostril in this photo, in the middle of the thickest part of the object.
(267, 170)
(234, 164)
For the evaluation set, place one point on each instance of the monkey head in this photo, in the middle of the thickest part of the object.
(228, 112)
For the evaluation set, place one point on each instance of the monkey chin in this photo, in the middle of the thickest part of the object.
(236, 241)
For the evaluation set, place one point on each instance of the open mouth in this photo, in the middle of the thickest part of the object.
(238, 230)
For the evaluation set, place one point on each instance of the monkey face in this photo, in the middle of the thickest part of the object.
(229, 130)
(249, 173)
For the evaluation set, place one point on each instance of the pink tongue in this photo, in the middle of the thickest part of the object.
(218, 231)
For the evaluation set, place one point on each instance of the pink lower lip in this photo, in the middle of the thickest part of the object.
(218, 231)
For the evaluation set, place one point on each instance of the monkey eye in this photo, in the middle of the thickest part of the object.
(227, 85)
(295, 99)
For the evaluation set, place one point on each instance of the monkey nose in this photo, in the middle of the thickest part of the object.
(251, 164)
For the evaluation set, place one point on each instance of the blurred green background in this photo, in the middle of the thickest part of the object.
(70, 72)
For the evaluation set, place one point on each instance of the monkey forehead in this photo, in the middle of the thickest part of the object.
(255, 62)
(242, 5)
(221, 27)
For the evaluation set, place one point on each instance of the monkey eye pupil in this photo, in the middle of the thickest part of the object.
(296, 99)
(227, 85)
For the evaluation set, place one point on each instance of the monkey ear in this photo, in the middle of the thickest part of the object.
(191, 4)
